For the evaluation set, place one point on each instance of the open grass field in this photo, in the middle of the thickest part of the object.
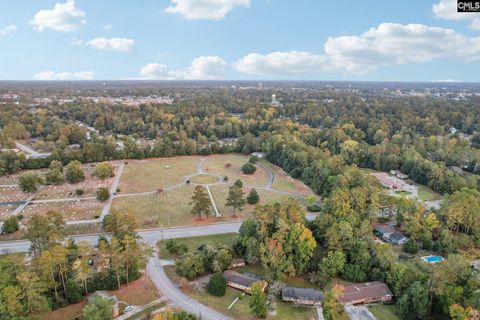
(204, 179)
(166, 209)
(72, 210)
(384, 312)
(169, 208)
(427, 194)
(284, 182)
(194, 242)
(220, 192)
(153, 174)
(230, 165)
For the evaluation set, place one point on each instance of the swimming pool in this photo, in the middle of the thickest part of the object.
(432, 259)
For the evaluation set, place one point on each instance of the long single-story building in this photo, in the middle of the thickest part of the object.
(302, 296)
(370, 292)
(240, 281)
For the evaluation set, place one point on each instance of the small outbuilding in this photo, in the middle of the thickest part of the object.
(302, 296)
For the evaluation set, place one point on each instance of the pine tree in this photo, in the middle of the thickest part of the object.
(200, 202)
(235, 199)
(253, 197)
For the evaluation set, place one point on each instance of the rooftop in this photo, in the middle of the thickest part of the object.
(365, 291)
(302, 294)
(240, 278)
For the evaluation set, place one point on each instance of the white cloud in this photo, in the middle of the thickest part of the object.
(64, 17)
(205, 9)
(201, 68)
(50, 75)
(278, 63)
(207, 67)
(386, 44)
(7, 30)
(447, 9)
(392, 43)
(112, 44)
(154, 71)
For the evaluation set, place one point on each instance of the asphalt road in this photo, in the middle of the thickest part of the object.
(176, 296)
(150, 236)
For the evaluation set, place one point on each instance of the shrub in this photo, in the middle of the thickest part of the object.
(79, 192)
(253, 159)
(248, 168)
(253, 197)
(75, 172)
(175, 248)
(103, 194)
(29, 182)
(190, 265)
(10, 225)
(411, 246)
(217, 285)
(103, 170)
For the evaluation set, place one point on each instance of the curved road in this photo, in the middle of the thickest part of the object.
(175, 295)
(271, 176)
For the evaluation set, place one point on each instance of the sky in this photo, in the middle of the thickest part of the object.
(372, 40)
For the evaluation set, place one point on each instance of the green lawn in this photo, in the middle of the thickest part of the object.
(427, 194)
(169, 208)
(384, 312)
(230, 165)
(153, 174)
(204, 179)
(194, 242)
(220, 192)
(241, 309)
(284, 182)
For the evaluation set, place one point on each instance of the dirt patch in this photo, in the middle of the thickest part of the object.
(139, 292)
